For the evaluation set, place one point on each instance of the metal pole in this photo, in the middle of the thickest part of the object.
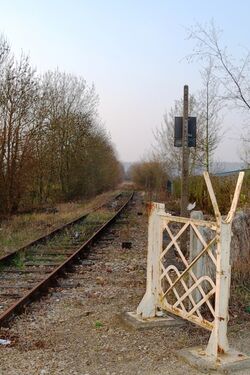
(207, 132)
(185, 156)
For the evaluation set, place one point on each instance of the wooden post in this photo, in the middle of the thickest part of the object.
(196, 247)
(148, 304)
(218, 342)
(185, 168)
(185, 156)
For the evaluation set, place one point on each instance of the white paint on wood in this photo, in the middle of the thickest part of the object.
(148, 305)
(195, 247)
(195, 275)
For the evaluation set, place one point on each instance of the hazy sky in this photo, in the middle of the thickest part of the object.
(131, 50)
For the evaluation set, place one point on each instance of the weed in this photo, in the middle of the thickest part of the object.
(98, 324)
(98, 217)
(18, 261)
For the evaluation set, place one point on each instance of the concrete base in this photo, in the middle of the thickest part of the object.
(137, 322)
(226, 363)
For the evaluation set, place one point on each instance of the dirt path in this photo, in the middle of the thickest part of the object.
(78, 329)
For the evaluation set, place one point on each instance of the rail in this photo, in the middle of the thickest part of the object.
(40, 287)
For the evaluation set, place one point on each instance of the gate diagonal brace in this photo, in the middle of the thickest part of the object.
(190, 304)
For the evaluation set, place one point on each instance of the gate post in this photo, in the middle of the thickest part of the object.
(148, 304)
(218, 342)
(195, 248)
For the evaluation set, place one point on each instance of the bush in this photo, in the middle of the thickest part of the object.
(223, 186)
(149, 176)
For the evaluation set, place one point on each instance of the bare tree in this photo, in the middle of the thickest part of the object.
(72, 149)
(245, 150)
(150, 175)
(52, 143)
(18, 93)
(209, 106)
(205, 142)
(4, 49)
(234, 77)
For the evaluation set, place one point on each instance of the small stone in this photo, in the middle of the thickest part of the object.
(159, 313)
(100, 280)
(87, 313)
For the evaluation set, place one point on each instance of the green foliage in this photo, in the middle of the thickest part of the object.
(98, 324)
(18, 261)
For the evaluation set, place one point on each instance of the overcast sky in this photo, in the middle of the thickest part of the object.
(132, 50)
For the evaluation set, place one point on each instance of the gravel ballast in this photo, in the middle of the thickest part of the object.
(77, 329)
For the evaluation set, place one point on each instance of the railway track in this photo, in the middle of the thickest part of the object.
(29, 272)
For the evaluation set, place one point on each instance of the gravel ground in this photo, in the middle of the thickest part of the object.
(77, 329)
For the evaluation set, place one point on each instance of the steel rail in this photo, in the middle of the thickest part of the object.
(6, 258)
(41, 288)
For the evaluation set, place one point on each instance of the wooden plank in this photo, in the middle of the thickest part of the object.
(212, 196)
(232, 211)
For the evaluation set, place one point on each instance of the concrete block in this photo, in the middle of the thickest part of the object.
(136, 321)
(226, 363)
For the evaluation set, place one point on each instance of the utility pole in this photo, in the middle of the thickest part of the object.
(185, 156)
(207, 125)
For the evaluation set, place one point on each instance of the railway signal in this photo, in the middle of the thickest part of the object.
(185, 137)
(178, 126)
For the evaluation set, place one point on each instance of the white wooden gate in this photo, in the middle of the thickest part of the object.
(172, 280)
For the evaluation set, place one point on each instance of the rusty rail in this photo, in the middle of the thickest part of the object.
(7, 257)
(41, 287)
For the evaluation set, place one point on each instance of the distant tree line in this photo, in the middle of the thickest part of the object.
(149, 175)
(52, 144)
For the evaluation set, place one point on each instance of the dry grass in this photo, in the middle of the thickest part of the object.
(240, 289)
(241, 272)
(223, 186)
(18, 230)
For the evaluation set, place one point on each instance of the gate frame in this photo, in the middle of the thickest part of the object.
(151, 301)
